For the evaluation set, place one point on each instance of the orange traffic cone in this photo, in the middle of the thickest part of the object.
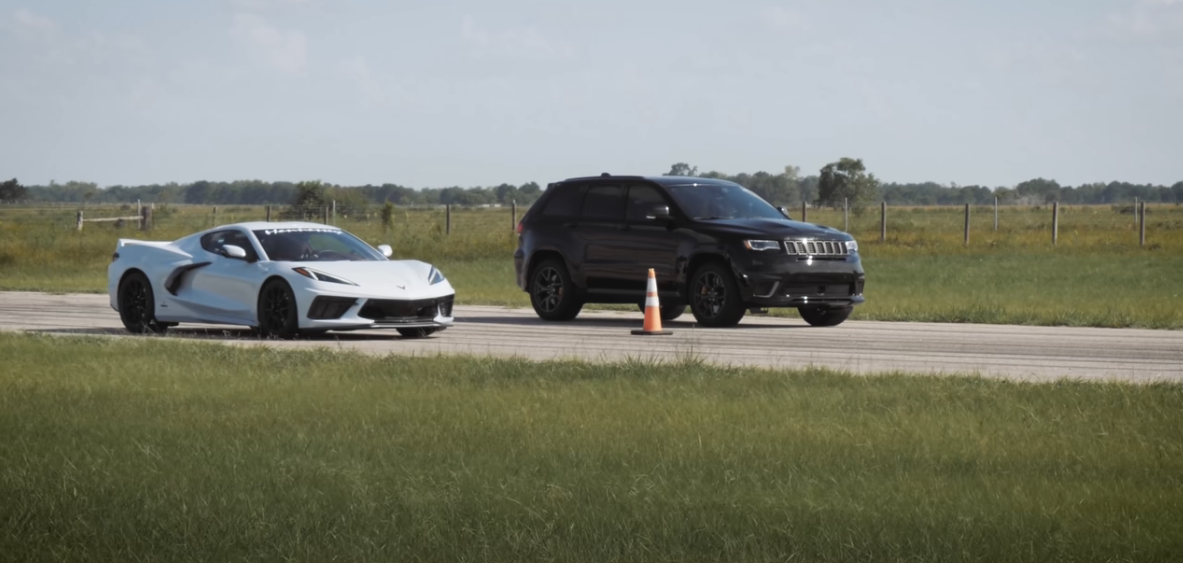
(652, 324)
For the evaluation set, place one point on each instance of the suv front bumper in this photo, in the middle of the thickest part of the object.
(786, 281)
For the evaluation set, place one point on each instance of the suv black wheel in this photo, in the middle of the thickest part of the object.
(821, 316)
(668, 312)
(714, 296)
(421, 332)
(552, 293)
(277, 310)
(137, 305)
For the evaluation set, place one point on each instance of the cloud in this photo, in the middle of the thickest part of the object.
(284, 51)
(522, 43)
(357, 71)
(1148, 21)
(778, 18)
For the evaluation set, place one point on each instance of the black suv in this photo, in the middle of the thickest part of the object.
(713, 244)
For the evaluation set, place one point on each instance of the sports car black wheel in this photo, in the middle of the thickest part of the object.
(818, 316)
(714, 296)
(668, 312)
(277, 310)
(417, 332)
(137, 305)
(552, 293)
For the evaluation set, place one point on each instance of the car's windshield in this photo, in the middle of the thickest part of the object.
(314, 244)
(722, 201)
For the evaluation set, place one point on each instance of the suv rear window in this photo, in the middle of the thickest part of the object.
(564, 202)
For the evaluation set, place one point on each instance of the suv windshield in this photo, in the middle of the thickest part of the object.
(722, 201)
(312, 244)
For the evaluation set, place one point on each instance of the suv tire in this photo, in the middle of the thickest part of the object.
(822, 316)
(714, 296)
(552, 292)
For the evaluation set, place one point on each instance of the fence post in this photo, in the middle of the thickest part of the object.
(145, 218)
(1142, 226)
(883, 221)
(967, 224)
(334, 212)
(804, 213)
(846, 214)
(268, 213)
(79, 218)
(215, 217)
(513, 219)
(448, 219)
(996, 214)
(1055, 222)
(325, 215)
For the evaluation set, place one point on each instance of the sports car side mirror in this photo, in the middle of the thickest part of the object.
(233, 251)
(385, 250)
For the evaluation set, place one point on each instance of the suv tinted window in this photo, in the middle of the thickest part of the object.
(603, 202)
(564, 202)
(641, 201)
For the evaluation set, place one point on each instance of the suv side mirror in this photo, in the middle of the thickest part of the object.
(784, 212)
(233, 251)
(659, 213)
(385, 250)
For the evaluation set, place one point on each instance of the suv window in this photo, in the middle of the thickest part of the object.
(603, 202)
(564, 202)
(641, 201)
(214, 242)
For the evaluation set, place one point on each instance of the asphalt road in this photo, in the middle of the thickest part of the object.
(866, 347)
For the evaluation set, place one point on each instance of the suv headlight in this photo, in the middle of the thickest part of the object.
(435, 276)
(761, 244)
(851, 247)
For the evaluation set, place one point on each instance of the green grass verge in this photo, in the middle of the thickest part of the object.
(1096, 276)
(142, 449)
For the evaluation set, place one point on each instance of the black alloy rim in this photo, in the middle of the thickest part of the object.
(709, 294)
(135, 302)
(548, 289)
(276, 308)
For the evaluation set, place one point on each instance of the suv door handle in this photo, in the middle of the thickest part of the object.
(571, 225)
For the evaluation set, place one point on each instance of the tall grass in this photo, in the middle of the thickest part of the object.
(1097, 274)
(146, 449)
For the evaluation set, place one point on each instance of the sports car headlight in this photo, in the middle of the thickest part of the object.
(851, 247)
(761, 245)
(434, 276)
(321, 276)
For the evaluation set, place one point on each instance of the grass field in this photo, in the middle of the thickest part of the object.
(155, 450)
(1097, 274)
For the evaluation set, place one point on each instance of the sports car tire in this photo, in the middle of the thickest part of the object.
(137, 305)
(668, 312)
(714, 296)
(553, 293)
(417, 332)
(277, 310)
(818, 316)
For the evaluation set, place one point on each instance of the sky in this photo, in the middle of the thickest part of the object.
(477, 93)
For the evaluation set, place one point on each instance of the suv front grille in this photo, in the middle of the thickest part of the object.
(816, 248)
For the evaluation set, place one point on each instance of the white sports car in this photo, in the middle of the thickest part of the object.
(280, 278)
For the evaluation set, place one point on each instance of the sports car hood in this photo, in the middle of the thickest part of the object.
(383, 275)
(776, 229)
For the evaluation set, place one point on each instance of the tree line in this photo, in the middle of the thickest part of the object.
(844, 179)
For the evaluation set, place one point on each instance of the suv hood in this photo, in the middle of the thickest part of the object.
(776, 229)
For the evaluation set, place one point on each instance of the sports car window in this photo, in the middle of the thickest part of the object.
(314, 245)
(604, 202)
(214, 242)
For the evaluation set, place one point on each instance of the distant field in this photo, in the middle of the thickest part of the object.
(1097, 275)
(136, 449)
